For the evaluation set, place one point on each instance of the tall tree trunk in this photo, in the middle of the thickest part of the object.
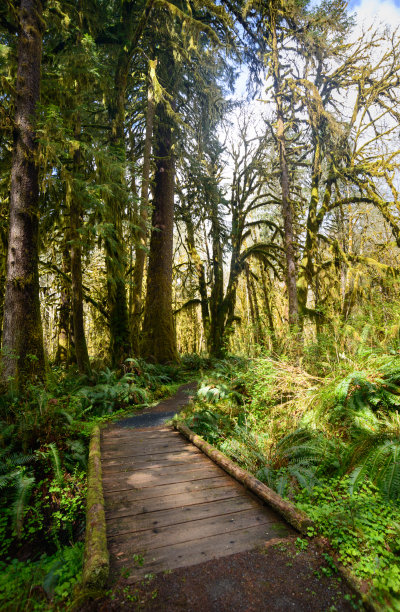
(268, 310)
(23, 352)
(75, 211)
(201, 274)
(141, 238)
(259, 336)
(159, 338)
(64, 341)
(3, 271)
(215, 339)
(131, 31)
(251, 303)
(115, 206)
(287, 212)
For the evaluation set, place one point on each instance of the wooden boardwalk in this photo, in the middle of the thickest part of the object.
(169, 506)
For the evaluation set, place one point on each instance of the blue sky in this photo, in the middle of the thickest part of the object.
(369, 11)
(354, 4)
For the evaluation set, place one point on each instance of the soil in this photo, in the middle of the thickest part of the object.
(281, 577)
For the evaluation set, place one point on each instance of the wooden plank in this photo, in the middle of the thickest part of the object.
(177, 516)
(122, 465)
(129, 434)
(144, 481)
(167, 442)
(131, 453)
(132, 450)
(157, 472)
(117, 508)
(150, 431)
(197, 551)
(186, 488)
(161, 458)
(135, 464)
(192, 530)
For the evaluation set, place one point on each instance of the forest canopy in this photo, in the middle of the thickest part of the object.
(148, 210)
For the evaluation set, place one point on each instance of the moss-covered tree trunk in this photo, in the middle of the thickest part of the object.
(141, 238)
(23, 352)
(115, 205)
(268, 310)
(75, 211)
(215, 341)
(200, 271)
(159, 337)
(131, 30)
(287, 213)
(64, 353)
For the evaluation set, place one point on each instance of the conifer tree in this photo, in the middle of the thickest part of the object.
(23, 352)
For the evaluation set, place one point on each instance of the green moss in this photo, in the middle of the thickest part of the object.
(96, 561)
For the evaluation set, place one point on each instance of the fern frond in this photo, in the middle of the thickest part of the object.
(24, 487)
(6, 479)
(55, 460)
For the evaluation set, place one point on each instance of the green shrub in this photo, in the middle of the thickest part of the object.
(43, 584)
(362, 527)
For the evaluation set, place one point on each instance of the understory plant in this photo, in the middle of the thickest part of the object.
(44, 436)
(328, 441)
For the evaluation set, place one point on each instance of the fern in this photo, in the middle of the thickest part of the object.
(376, 456)
(380, 464)
(10, 467)
(309, 448)
(9, 478)
(208, 424)
(244, 448)
(24, 487)
(55, 461)
(76, 455)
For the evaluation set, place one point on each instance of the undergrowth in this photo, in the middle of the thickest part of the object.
(44, 437)
(329, 441)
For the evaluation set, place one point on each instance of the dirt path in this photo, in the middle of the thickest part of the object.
(164, 411)
(183, 535)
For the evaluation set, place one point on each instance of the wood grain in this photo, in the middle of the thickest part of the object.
(167, 501)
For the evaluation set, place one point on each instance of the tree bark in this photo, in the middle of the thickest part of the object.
(287, 212)
(23, 352)
(64, 352)
(159, 338)
(251, 303)
(268, 310)
(75, 211)
(258, 333)
(216, 345)
(201, 275)
(141, 238)
(114, 245)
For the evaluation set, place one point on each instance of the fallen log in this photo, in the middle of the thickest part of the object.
(299, 520)
(96, 564)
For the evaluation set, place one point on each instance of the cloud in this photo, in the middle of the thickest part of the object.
(376, 11)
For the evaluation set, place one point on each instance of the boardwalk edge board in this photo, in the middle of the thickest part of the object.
(96, 563)
(298, 519)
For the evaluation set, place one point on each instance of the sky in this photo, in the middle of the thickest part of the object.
(385, 11)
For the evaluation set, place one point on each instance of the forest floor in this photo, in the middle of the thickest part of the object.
(288, 573)
(277, 577)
